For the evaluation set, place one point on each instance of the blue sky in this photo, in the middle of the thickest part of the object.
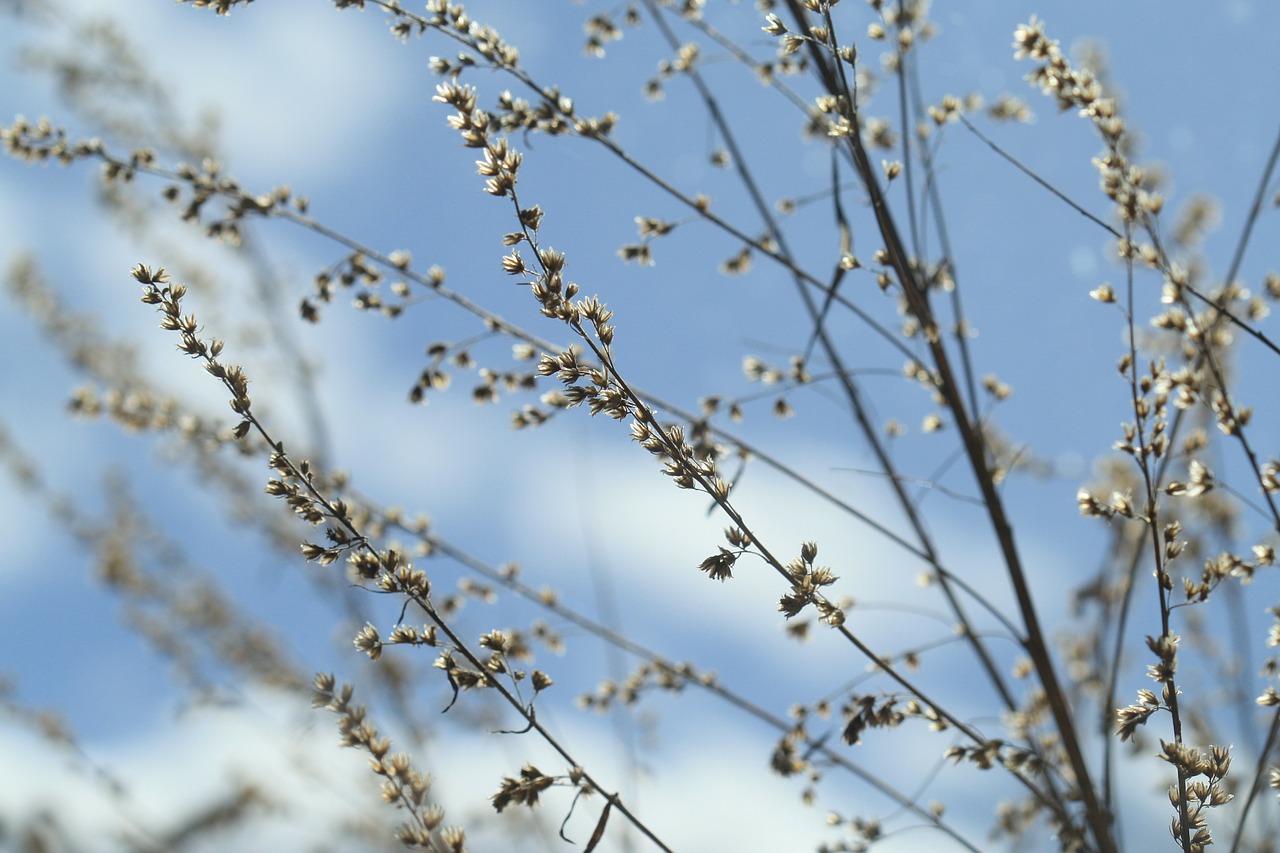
(328, 103)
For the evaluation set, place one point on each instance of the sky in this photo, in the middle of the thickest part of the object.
(328, 103)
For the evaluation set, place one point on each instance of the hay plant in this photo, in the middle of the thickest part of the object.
(1063, 716)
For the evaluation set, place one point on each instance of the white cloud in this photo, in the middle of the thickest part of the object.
(328, 98)
(704, 794)
(171, 768)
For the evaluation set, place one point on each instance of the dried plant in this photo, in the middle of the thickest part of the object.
(995, 702)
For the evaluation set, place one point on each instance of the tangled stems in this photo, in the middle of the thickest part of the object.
(606, 392)
(1147, 439)
(41, 142)
(297, 485)
(832, 74)
(394, 575)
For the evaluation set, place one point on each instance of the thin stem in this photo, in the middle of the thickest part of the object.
(1150, 517)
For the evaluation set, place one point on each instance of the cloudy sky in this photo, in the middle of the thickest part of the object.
(298, 93)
